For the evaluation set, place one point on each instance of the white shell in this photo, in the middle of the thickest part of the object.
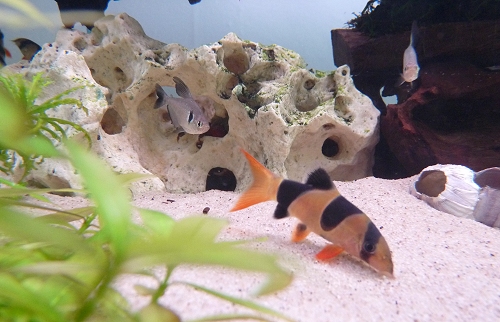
(449, 188)
(487, 209)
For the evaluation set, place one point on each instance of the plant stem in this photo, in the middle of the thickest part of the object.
(163, 286)
(86, 223)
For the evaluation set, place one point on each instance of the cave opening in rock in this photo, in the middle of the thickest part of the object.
(112, 122)
(330, 148)
(220, 179)
(219, 127)
(458, 115)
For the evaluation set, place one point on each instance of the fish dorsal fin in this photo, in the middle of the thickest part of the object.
(181, 89)
(319, 179)
(160, 101)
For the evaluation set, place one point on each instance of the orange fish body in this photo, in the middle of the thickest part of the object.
(322, 210)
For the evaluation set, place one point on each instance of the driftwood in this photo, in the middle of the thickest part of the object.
(476, 42)
(451, 114)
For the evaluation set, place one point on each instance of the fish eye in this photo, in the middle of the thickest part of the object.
(190, 117)
(369, 247)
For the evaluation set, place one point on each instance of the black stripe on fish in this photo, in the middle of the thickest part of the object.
(337, 210)
(288, 191)
(370, 242)
(320, 179)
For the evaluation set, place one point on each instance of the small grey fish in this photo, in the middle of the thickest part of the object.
(3, 51)
(27, 47)
(185, 113)
(410, 63)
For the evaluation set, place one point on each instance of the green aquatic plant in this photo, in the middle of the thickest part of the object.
(61, 266)
(34, 118)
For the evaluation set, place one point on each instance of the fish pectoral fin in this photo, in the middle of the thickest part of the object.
(174, 117)
(300, 233)
(400, 81)
(280, 212)
(330, 251)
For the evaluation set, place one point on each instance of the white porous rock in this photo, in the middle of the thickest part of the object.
(260, 98)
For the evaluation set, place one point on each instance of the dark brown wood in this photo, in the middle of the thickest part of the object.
(476, 42)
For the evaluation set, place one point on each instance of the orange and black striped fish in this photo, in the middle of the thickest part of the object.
(323, 210)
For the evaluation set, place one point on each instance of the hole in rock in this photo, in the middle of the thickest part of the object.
(112, 122)
(263, 72)
(227, 89)
(250, 45)
(237, 62)
(268, 54)
(219, 127)
(220, 179)
(80, 44)
(328, 126)
(330, 148)
(431, 183)
(97, 37)
(309, 84)
(458, 115)
(342, 106)
(249, 95)
(119, 74)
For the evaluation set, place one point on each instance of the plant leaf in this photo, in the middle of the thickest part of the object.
(155, 312)
(231, 317)
(23, 227)
(22, 298)
(193, 240)
(156, 221)
(246, 303)
(67, 215)
(127, 178)
(20, 191)
(110, 197)
(67, 268)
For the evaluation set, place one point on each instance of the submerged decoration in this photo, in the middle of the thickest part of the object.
(260, 98)
(459, 191)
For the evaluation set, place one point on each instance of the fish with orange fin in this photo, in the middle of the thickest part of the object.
(323, 210)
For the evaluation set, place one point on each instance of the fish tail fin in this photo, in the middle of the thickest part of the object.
(264, 187)
(414, 34)
(162, 96)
